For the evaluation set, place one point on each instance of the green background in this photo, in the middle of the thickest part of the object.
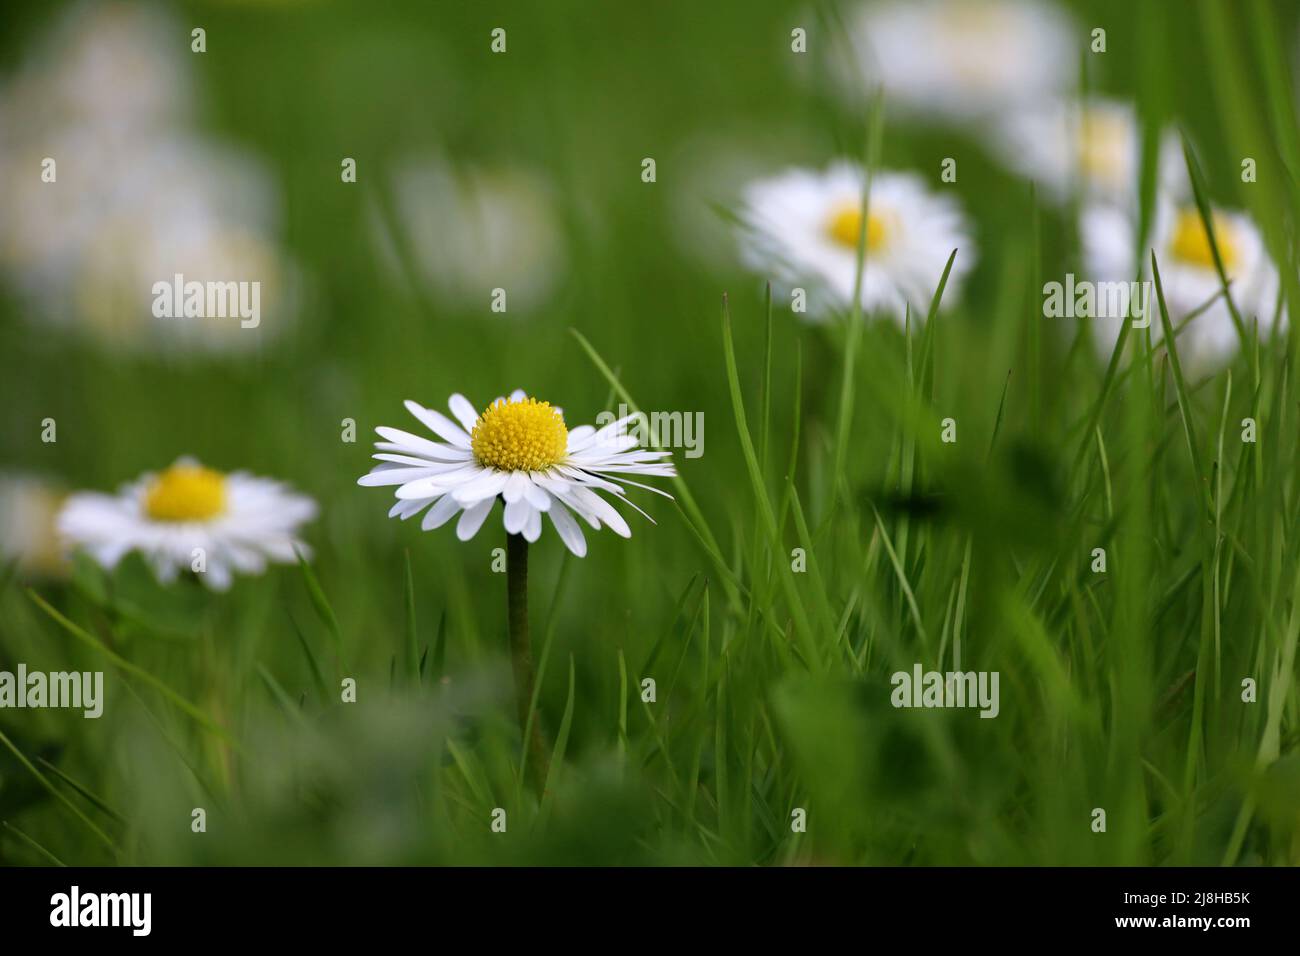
(1119, 691)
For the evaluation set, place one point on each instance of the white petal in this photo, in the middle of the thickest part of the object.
(446, 452)
(405, 441)
(463, 409)
(379, 477)
(439, 484)
(442, 512)
(515, 486)
(439, 424)
(551, 481)
(603, 510)
(614, 428)
(472, 519)
(568, 530)
(407, 508)
(487, 484)
(517, 514)
(217, 576)
(533, 528)
(518, 395)
(586, 479)
(580, 437)
(535, 496)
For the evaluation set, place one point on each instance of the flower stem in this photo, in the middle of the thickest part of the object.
(521, 657)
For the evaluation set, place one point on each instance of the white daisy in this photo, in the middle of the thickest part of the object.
(139, 196)
(473, 231)
(803, 229)
(520, 451)
(1091, 149)
(28, 506)
(1187, 274)
(187, 514)
(961, 60)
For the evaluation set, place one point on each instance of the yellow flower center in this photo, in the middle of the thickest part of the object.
(1191, 243)
(527, 435)
(186, 493)
(1101, 145)
(845, 227)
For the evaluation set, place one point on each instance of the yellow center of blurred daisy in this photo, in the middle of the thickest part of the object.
(186, 493)
(1191, 243)
(527, 435)
(845, 226)
(1101, 145)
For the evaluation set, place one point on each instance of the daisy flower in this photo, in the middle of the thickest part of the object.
(140, 196)
(28, 507)
(1091, 149)
(474, 230)
(520, 451)
(232, 522)
(802, 227)
(961, 60)
(1187, 274)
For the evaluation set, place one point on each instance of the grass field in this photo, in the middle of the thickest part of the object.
(827, 537)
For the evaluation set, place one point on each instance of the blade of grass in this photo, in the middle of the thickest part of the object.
(134, 669)
(58, 795)
(32, 843)
(412, 639)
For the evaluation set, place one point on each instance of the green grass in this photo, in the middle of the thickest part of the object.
(1120, 690)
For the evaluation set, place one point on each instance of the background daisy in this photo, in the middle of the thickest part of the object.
(28, 508)
(1090, 149)
(1188, 275)
(140, 194)
(239, 522)
(473, 230)
(960, 60)
(802, 228)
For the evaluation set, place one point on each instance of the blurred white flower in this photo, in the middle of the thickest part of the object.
(189, 514)
(1091, 150)
(28, 506)
(138, 196)
(518, 450)
(1188, 275)
(115, 66)
(469, 232)
(961, 60)
(802, 229)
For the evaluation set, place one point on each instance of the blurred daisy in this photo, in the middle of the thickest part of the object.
(1187, 274)
(802, 228)
(112, 65)
(28, 506)
(470, 232)
(1091, 150)
(190, 517)
(138, 197)
(518, 450)
(961, 60)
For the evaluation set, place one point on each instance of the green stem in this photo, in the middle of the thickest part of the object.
(521, 657)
